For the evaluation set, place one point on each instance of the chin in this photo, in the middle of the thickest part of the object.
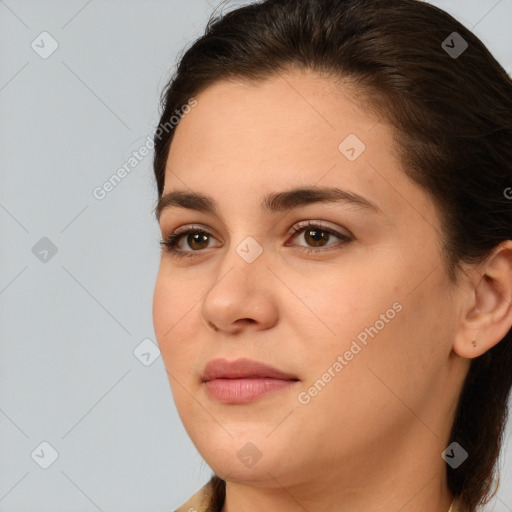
(240, 460)
(263, 472)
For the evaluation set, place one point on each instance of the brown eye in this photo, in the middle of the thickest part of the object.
(316, 237)
(197, 241)
(187, 242)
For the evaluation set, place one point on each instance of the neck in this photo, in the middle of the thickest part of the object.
(400, 475)
(240, 498)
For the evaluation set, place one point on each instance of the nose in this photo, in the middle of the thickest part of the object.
(241, 297)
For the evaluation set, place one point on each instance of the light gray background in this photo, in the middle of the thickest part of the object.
(69, 326)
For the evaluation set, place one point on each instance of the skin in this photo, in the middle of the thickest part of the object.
(372, 438)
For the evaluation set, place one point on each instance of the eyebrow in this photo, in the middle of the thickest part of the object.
(274, 202)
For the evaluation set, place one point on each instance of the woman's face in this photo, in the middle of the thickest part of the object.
(364, 325)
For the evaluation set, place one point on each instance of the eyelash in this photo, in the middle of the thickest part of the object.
(171, 241)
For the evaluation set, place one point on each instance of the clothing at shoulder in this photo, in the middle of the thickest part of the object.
(454, 506)
(209, 498)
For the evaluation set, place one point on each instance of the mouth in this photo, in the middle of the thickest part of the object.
(243, 380)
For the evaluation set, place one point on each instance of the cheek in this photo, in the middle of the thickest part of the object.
(340, 304)
(371, 317)
(173, 313)
(174, 306)
(164, 303)
(407, 356)
(335, 344)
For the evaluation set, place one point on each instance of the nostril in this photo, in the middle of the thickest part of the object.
(213, 326)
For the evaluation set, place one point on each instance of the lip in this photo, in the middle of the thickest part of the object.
(243, 380)
(242, 369)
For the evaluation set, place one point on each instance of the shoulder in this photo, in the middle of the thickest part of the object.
(209, 498)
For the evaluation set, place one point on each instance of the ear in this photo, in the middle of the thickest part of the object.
(487, 315)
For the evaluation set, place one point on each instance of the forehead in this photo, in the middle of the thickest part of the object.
(245, 140)
(289, 111)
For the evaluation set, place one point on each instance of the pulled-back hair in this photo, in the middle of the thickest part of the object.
(452, 119)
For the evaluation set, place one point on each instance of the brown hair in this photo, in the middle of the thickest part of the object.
(452, 116)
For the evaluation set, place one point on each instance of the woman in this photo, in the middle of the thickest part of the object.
(333, 303)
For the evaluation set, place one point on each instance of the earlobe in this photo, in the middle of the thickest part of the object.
(488, 317)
